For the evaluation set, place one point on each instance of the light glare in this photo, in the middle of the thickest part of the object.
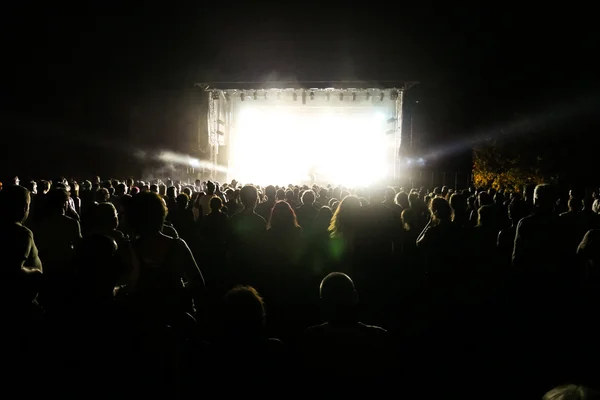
(279, 146)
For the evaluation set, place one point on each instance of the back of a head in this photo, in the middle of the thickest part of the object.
(346, 215)
(517, 210)
(249, 196)
(390, 193)
(575, 204)
(14, 203)
(410, 218)
(440, 209)
(147, 213)
(210, 186)
(182, 200)
(215, 203)
(282, 216)
(308, 197)
(280, 194)
(270, 191)
(102, 195)
(485, 199)
(337, 292)
(243, 312)
(413, 199)
(402, 200)
(543, 196)
(105, 216)
(485, 215)
(56, 200)
(458, 203)
(570, 392)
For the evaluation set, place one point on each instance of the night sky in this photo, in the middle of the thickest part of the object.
(77, 76)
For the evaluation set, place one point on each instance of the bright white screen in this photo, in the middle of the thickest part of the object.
(279, 146)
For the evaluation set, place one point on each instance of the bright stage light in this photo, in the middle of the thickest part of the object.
(280, 146)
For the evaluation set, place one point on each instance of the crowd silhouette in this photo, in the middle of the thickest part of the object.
(126, 288)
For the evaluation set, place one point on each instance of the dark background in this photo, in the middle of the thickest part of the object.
(73, 78)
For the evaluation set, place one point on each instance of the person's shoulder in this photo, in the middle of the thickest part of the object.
(236, 217)
(70, 220)
(259, 217)
(373, 329)
(527, 220)
(23, 231)
(316, 330)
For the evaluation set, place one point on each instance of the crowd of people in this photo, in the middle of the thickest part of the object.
(128, 288)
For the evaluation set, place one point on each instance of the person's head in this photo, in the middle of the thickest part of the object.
(402, 200)
(31, 186)
(410, 219)
(182, 201)
(102, 195)
(282, 217)
(528, 192)
(338, 296)
(280, 194)
(308, 198)
(485, 199)
(458, 203)
(171, 192)
(485, 216)
(14, 203)
(414, 200)
(323, 218)
(570, 392)
(440, 209)
(105, 217)
(390, 194)
(249, 197)
(517, 210)
(575, 204)
(543, 197)
(154, 188)
(56, 201)
(210, 187)
(243, 312)
(147, 213)
(215, 204)
(289, 195)
(346, 216)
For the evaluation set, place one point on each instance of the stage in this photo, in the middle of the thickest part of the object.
(346, 133)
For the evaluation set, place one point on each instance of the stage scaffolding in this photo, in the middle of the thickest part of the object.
(222, 98)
